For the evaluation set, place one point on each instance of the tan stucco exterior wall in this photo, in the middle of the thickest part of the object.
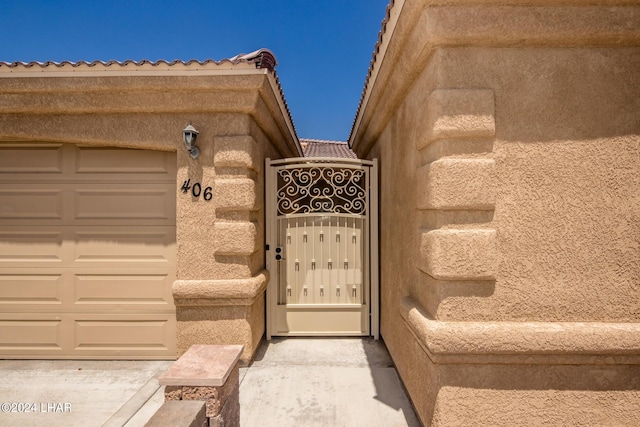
(242, 118)
(510, 289)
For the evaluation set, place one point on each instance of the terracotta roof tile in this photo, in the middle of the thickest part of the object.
(322, 148)
(262, 58)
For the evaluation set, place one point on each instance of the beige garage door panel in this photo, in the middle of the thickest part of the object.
(87, 246)
(109, 160)
(87, 252)
(26, 334)
(44, 158)
(45, 161)
(31, 247)
(87, 336)
(124, 291)
(93, 203)
(124, 246)
(41, 290)
(152, 203)
(22, 203)
(105, 290)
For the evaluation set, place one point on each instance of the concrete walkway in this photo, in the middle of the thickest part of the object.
(292, 382)
(323, 382)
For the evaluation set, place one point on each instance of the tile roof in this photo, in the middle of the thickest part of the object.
(262, 58)
(322, 148)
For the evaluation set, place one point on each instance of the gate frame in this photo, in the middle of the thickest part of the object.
(373, 249)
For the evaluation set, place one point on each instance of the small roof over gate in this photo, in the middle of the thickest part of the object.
(322, 148)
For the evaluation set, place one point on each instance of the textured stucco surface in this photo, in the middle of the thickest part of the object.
(510, 287)
(463, 406)
(536, 342)
(567, 201)
(209, 324)
(457, 184)
(454, 254)
(459, 113)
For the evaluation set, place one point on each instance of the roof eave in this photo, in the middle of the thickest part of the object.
(388, 27)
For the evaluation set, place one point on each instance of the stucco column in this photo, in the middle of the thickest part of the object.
(219, 291)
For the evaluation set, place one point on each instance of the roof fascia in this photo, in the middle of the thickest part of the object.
(284, 110)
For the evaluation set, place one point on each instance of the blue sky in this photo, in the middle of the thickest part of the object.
(323, 47)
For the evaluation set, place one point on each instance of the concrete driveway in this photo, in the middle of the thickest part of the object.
(79, 393)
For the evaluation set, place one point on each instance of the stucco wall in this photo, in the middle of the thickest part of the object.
(562, 177)
(510, 287)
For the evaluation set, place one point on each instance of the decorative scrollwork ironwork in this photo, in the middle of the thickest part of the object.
(321, 190)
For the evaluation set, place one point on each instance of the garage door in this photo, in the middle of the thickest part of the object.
(87, 252)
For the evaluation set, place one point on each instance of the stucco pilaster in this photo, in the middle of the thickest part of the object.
(216, 295)
(459, 254)
(457, 184)
(460, 114)
(456, 196)
(224, 302)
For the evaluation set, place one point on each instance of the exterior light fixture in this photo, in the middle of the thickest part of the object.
(189, 134)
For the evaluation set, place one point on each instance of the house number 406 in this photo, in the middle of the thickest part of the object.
(196, 190)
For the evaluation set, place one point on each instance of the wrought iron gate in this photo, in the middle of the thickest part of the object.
(322, 247)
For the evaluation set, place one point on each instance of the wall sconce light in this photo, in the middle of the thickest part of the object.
(189, 134)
